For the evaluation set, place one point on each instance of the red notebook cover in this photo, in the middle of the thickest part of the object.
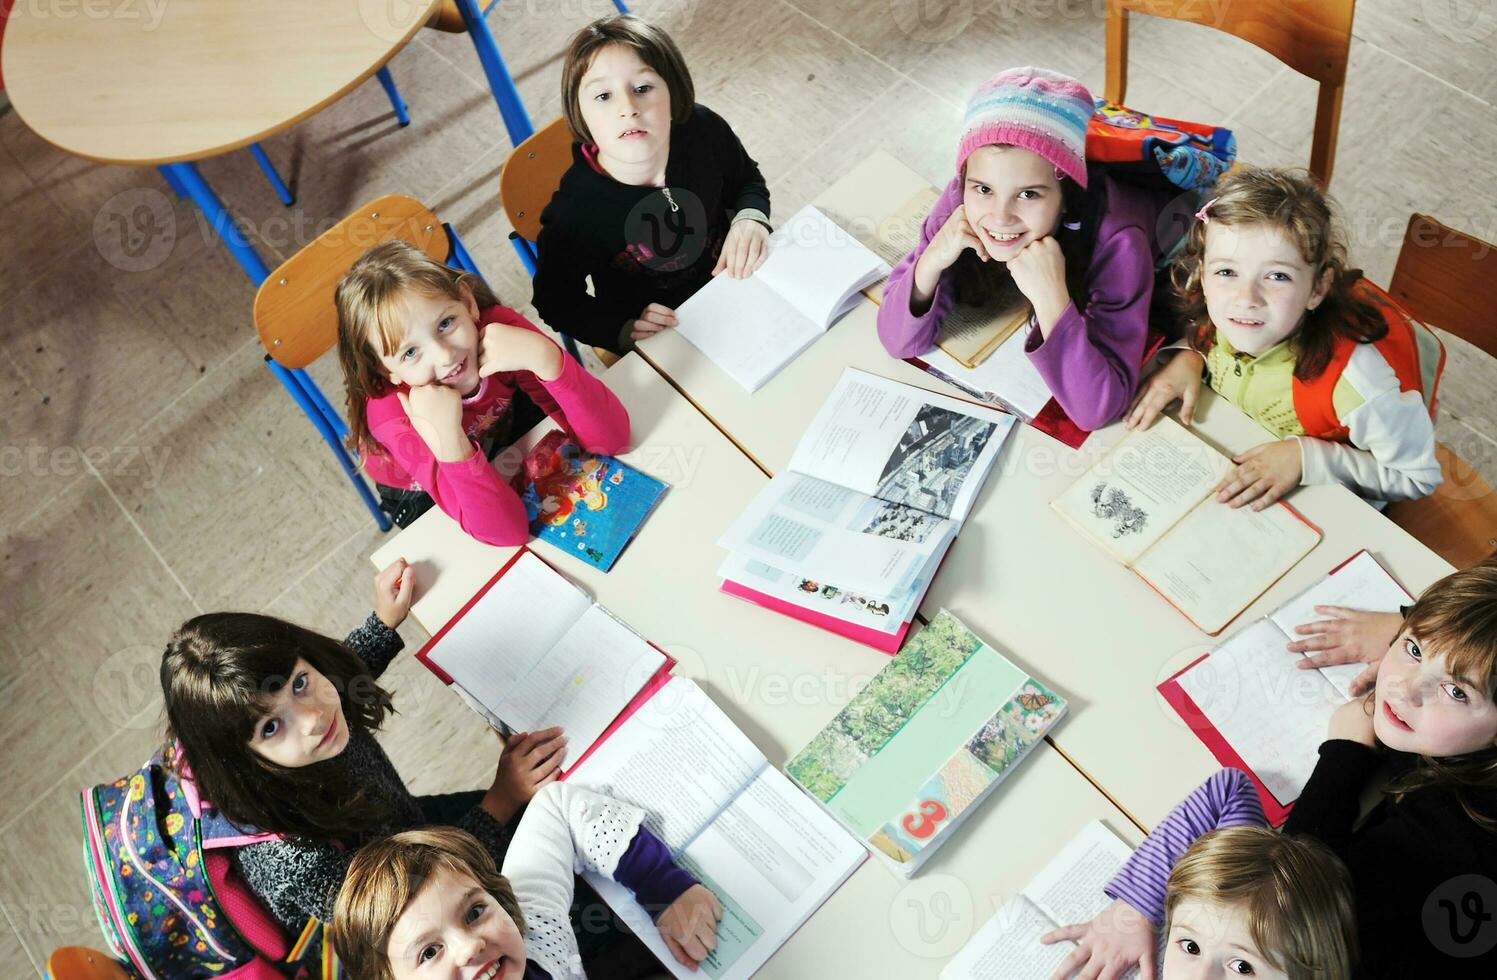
(656, 681)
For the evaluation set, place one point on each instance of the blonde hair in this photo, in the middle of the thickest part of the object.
(371, 324)
(1293, 202)
(387, 874)
(654, 47)
(1457, 618)
(1295, 894)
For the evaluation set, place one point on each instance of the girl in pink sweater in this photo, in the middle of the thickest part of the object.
(440, 377)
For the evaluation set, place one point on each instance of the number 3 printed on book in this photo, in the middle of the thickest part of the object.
(922, 824)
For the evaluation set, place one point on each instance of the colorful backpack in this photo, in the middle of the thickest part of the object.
(1190, 156)
(169, 900)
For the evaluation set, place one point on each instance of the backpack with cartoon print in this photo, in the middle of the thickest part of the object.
(169, 900)
(1190, 156)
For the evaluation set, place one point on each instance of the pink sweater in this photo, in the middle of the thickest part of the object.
(471, 492)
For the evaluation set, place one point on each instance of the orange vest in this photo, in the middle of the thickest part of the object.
(1410, 347)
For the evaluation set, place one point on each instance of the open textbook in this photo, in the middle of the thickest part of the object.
(1256, 709)
(730, 818)
(1150, 504)
(875, 491)
(1067, 891)
(531, 650)
(917, 750)
(751, 328)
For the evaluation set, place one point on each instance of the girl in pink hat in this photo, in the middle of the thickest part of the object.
(1022, 212)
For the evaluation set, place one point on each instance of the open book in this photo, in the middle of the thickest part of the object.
(971, 333)
(531, 650)
(1256, 709)
(1150, 504)
(751, 328)
(916, 751)
(874, 494)
(730, 818)
(1068, 890)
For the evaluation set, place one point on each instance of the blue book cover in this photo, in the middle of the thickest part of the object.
(588, 506)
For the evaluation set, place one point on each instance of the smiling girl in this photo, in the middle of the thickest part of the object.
(1023, 212)
(275, 725)
(440, 377)
(661, 195)
(1289, 334)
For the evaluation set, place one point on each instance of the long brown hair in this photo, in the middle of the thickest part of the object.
(387, 874)
(1457, 617)
(654, 47)
(218, 674)
(1292, 201)
(1294, 892)
(371, 325)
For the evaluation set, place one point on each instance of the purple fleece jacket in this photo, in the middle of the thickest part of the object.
(1091, 360)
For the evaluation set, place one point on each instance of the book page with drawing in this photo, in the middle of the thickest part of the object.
(1142, 488)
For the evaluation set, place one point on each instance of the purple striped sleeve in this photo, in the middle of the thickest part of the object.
(1227, 799)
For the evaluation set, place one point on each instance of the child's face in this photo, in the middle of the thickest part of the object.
(441, 342)
(1012, 197)
(1257, 284)
(1208, 940)
(303, 722)
(626, 106)
(454, 930)
(1421, 708)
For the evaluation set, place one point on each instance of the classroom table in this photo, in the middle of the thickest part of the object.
(1020, 576)
(780, 683)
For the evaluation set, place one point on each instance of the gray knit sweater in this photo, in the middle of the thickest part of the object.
(298, 879)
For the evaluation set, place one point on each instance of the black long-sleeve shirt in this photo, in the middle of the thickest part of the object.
(641, 244)
(1405, 859)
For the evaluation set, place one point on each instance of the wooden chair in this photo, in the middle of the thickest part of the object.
(82, 963)
(528, 179)
(1448, 279)
(1311, 38)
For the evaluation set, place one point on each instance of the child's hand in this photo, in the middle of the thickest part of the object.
(689, 925)
(1353, 722)
(1263, 475)
(392, 592)
(506, 347)
(529, 761)
(654, 319)
(956, 236)
(744, 250)
(1039, 270)
(1179, 378)
(1349, 636)
(436, 413)
(1107, 946)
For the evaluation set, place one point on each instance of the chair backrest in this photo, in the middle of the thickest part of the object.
(1448, 279)
(531, 175)
(1312, 38)
(294, 311)
(82, 963)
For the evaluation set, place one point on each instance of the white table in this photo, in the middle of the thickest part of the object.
(780, 682)
(1023, 579)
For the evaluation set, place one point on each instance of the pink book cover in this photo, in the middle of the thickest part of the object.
(884, 642)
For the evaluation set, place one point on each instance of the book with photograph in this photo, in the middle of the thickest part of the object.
(1067, 890)
(587, 505)
(1150, 504)
(917, 750)
(1256, 709)
(874, 494)
(751, 328)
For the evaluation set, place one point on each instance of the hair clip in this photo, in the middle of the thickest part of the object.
(1201, 215)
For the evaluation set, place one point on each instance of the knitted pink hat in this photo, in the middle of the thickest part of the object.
(1042, 111)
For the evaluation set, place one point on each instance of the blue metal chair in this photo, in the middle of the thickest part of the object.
(297, 322)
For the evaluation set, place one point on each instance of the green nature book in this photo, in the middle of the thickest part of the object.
(934, 732)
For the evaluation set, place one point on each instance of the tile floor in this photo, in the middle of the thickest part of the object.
(153, 469)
